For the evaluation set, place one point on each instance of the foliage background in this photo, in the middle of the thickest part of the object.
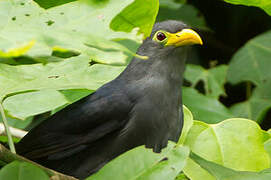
(51, 55)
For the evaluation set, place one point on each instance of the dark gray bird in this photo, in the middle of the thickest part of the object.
(142, 106)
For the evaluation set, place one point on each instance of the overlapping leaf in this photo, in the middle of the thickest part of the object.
(227, 144)
(22, 171)
(25, 105)
(145, 10)
(75, 73)
(252, 62)
(223, 173)
(81, 26)
(142, 163)
(264, 4)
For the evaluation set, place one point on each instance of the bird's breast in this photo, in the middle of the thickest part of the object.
(155, 116)
(152, 123)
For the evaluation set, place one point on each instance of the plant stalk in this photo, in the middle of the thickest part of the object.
(5, 122)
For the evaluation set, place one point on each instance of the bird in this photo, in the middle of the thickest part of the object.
(142, 106)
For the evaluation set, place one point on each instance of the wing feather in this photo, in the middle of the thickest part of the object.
(77, 126)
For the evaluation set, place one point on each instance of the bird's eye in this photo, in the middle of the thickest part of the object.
(160, 36)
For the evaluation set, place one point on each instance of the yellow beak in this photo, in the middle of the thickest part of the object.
(184, 37)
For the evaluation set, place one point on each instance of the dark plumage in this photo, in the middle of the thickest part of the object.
(142, 106)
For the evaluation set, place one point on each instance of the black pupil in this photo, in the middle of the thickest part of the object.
(161, 36)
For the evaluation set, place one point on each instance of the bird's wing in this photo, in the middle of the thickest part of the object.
(77, 126)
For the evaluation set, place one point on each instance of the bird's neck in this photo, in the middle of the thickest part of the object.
(155, 78)
(165, 66)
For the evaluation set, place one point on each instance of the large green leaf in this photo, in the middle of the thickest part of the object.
(41, 30)
(29, 104)
(233, 143)
(207, 109)
(142, 163)
(75, 73)
(142, 14)
(81, 26)
(223, 173)
(264, 4)
(214, 78)
(22, 171)
(252, 62)
(257, 105)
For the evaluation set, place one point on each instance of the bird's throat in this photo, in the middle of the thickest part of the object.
(167, 65)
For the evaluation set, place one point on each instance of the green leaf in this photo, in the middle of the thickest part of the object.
(68, 27)
(29, 104)
(75, 73)
(4, 139)
(257, 105)
(205, 108)
(73, 95)
(142, 14)
(27, 169)
(24, 105)
(267, 147)
(223, 173)
(264, 4)
(233, 143)
(214, 78)
(169, 9)
(22, 171)
(18, 123)
(142, 163)
(192, 169)
(195, 172)
(187, 124)
(252, 62)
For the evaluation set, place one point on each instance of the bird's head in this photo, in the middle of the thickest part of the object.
(174, 34)
(166, 49)
(167, 36)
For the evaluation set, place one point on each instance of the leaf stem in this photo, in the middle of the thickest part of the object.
(5, 122)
